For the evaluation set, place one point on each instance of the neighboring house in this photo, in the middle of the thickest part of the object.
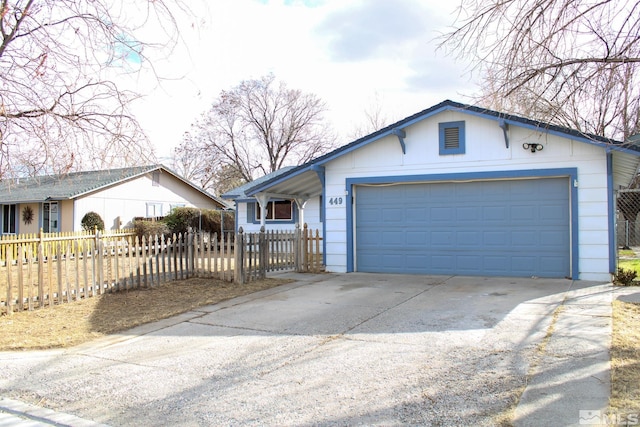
(57, 203)
(456, 189)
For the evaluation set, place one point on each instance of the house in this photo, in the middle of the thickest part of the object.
(57, 203)
(458, 190)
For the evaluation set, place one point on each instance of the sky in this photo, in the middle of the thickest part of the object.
(352, 54)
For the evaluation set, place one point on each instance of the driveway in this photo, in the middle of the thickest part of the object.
(356, 349)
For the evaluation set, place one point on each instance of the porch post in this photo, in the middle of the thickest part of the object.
(263, 200)
(300, 202)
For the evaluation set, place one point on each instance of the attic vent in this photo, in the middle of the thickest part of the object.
(451, 138)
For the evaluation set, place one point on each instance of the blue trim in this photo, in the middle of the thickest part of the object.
(448, 105)
(612, 213)
(350, 228)
(442, 127)
(505, 128)
(572, 173)
(322, 176)
(401, 134)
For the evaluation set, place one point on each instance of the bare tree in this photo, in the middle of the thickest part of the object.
(61, 107)
(572, 62)
(374, 119)
(255, 128)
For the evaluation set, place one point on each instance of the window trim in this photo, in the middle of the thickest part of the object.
(9, 215)
(253, 208)
(53, 217)
(442, 127)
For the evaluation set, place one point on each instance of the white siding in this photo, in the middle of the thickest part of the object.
(485, 152)
(129, 199)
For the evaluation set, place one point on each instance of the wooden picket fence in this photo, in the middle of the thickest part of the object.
(30, 241)
(259, 253)
(61, 269)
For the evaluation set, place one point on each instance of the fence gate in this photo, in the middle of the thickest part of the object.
(266, 251)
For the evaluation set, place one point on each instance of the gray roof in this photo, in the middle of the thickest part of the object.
(76, 184)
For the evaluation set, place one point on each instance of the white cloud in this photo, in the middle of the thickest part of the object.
(343, 51)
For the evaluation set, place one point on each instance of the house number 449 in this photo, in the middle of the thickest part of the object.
(335, 201)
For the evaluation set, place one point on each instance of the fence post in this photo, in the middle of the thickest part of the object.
(10, 283)
(305, 248)
(296, 248)
(191, 253)
(263, 253)
(239, 257)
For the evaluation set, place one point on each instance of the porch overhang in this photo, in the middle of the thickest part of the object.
(305, 184)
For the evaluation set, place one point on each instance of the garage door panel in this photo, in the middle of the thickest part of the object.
(495, 238)
(503, 228)
(524, 239)
(471, 238)
(389, 238)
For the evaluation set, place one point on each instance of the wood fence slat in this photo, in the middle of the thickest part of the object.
(9, 263)
(41, 275)
(76, 261)
(30, 280)
(66, 272)
(19, 265)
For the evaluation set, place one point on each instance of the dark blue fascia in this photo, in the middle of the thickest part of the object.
(571, 173)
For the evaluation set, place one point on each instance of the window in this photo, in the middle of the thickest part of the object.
(281, 210)
(50, 217)
(8, 219)
(278, 211)
(155, 178)
(452, 138)
(154, 210)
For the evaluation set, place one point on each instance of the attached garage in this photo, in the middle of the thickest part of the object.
(458, 189)
(511, 227)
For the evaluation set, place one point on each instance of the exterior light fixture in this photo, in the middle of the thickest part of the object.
(533, 146)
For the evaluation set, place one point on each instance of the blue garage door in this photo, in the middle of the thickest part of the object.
(486, 228)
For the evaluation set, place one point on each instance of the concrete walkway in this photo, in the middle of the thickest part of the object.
(340, 349)
(14, 413)
(570, 376)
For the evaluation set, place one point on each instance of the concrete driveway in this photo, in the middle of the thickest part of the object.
(356, 349)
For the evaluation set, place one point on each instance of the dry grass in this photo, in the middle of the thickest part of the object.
(77, 322)
(625, 358)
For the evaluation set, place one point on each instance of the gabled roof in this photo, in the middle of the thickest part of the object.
(77, 184)
(306, 170)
